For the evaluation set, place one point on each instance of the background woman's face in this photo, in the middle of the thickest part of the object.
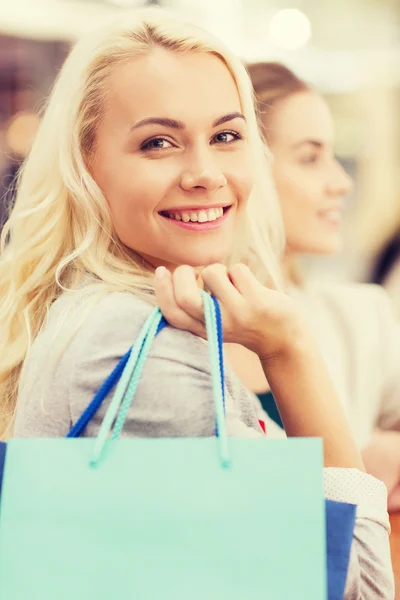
(172, 158)
(311, 183)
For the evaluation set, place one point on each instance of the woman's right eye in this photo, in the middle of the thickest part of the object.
(158, 143)
(309, 159)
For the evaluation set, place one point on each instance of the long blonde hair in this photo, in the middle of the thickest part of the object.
(60, 227)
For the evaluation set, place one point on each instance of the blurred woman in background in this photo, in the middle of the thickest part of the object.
(353, 323)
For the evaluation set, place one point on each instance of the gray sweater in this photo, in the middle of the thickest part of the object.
(82, 340)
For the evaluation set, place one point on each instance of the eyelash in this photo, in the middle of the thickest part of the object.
(146, 146)
(309, 160)
(236, 136)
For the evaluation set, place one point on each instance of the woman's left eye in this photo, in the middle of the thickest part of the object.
(156, 144)
(226, 137)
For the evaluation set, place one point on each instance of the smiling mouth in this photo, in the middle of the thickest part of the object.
(196, 216)
(333, 216)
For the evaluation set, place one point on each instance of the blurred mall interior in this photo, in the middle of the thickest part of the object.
(348, 49)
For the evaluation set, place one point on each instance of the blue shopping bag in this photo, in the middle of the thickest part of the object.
(340, 519)
(173, 518)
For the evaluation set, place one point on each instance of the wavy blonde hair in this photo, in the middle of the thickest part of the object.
(60, 227)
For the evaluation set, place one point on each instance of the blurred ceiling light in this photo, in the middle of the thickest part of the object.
(21, 132)
(290, 29)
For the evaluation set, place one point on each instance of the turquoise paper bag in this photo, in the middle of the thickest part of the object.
(199, 519)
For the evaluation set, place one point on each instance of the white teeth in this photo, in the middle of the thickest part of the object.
(201, 216)
(333, 215)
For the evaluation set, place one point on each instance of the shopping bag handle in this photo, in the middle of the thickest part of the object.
(108, 385)
(131, 374)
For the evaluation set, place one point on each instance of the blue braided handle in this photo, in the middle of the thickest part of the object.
(127, 385)
(78, 428)
(114, 377)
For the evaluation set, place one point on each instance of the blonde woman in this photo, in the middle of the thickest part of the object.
(148, 169)
(353, 324)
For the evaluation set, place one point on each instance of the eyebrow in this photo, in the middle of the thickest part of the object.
(317, 144)
(172, 123)
(229, 117)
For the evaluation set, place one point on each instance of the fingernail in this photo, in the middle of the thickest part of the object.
(160, 272)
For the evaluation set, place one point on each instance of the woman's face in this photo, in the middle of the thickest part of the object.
(172, 158)
(311, 183)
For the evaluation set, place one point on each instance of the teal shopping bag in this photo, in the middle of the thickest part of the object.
(205, 518)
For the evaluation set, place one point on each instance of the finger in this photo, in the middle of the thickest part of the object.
(175, 316)
(187, 293)
(216, 279)
(244, 281)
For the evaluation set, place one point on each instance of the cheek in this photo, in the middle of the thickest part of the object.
(131, 188)
(241, 181)
(111, 175)
(297, 190)
(243, 187)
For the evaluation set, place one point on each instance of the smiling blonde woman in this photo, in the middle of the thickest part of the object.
(147, 170)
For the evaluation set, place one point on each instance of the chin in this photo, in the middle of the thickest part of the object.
(324, 247)
(206, 254)
(203, 261)
(334, 247)
(323, 250)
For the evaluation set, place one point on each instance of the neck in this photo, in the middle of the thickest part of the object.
(287, 266)
(292, 275)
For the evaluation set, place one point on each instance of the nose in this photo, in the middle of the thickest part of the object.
(340, 183)
(202, 171)
(208, 180)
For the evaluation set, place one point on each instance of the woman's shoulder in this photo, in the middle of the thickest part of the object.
(96, 318)
(84, 338)
(95, 302)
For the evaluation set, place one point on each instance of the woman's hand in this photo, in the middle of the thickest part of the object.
(268, 323)
(263, 320)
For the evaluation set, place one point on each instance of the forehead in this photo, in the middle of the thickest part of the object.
(302, 116)
(184, 86)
